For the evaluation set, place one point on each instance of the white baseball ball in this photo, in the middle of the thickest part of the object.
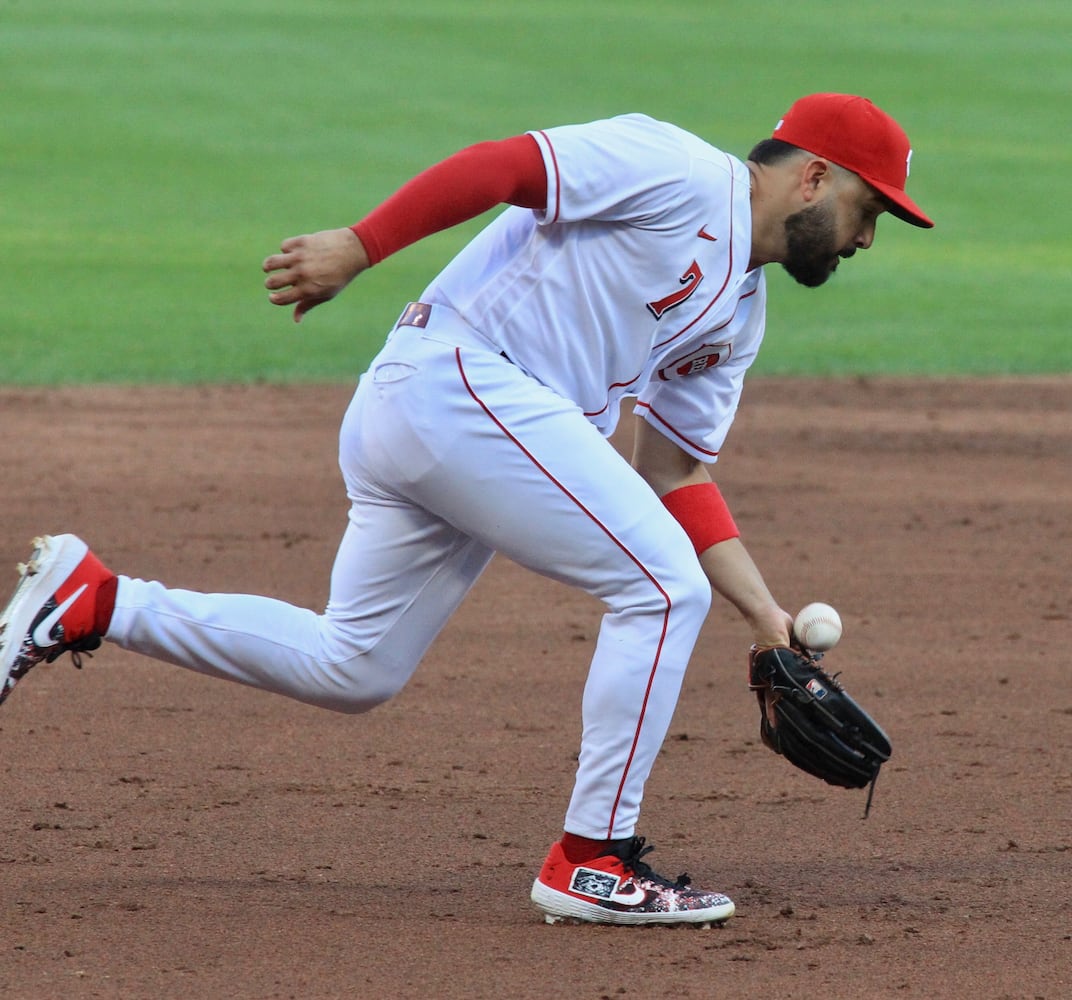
(817, 627)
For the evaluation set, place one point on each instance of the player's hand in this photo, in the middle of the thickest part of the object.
(771, 627)
(313, 269)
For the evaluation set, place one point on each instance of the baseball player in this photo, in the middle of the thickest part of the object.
(627, 263)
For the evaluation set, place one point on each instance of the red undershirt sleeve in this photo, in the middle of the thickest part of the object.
(459, 188)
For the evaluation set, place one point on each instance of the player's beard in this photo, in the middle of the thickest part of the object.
(811, 245)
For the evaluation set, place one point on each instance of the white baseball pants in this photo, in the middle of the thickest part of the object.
(449, 453)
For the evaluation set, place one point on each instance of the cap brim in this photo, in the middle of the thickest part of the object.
(901, 206)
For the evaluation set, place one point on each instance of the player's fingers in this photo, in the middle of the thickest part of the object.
(279, 261)
(292, 243)
(304, 305)
(280, 279)
(285, 297)
(289, 252)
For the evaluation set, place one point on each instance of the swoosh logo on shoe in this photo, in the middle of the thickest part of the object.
(42, 634)
(632, 896)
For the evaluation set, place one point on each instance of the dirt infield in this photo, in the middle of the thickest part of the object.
(163, 835)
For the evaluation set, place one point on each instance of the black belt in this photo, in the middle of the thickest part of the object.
(417, 314)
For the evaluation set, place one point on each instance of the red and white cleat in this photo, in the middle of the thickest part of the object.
(62, 604)
(620, 888)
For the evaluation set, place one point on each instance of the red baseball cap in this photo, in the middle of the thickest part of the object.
(856, 135)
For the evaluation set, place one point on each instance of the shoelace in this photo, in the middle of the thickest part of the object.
(631, 853)
(25, 664)
(76, 649)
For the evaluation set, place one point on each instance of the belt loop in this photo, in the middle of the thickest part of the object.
(415, 314)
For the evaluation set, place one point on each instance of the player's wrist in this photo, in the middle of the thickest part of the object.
(770, 626)
(371, 251)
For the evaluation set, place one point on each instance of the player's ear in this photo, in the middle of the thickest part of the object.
(816, 174)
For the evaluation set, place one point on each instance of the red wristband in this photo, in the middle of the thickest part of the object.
(702, 512)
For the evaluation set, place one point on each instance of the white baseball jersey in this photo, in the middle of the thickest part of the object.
(633, 281)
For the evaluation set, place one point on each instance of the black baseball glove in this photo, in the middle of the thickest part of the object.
(807, 717)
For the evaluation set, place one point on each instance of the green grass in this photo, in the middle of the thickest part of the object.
(155, 152)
